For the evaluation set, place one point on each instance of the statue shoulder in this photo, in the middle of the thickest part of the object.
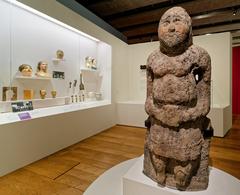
(203, 55)
(201, 51)
(155, 54)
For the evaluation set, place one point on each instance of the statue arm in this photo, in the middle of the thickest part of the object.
(149, 99)
(203, 89)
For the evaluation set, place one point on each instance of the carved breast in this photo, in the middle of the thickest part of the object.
(171, 89)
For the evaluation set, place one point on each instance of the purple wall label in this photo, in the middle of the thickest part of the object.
(24, 116)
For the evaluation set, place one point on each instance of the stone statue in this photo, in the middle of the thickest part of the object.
(178, 134)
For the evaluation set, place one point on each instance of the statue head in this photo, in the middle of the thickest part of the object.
(60, 54)
(42, 66)
(175, 31)
(25, 69)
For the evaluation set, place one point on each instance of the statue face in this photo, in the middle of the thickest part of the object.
(43, 67)
(174, 27)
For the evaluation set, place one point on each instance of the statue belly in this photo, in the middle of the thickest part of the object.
(184, 144)
(171, 89)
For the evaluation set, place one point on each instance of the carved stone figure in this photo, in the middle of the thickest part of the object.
(178, 134)
(90, 62)
(42, 93)
(42, 69)
(59, 54)
(26, 70)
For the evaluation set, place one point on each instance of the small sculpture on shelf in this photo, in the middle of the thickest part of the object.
(178, 133)
(28, 94)
(26, 70)
(81, 89)
(9, 93)
(59, 54)
(43, 93)
(54, 93)
(90, 63)
(42, 69)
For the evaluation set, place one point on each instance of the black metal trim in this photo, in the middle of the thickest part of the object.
(81, 10)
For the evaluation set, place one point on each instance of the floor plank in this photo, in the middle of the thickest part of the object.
(52, 166)
(25, 182)
(71, 170)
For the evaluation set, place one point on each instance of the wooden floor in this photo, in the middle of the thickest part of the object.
(72, 170)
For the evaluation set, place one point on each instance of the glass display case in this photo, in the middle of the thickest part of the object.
(42, 60)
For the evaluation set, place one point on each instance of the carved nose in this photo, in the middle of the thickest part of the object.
(171, 28)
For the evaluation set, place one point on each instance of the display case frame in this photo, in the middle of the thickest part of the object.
(25, 44)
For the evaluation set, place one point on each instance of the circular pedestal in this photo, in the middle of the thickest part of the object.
(111, 182)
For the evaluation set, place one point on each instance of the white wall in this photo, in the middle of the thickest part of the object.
(138, 54)
(217, 45)
(120, 78)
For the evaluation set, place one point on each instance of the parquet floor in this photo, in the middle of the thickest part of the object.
(72, 170)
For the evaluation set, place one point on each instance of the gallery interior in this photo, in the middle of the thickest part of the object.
(75, 84)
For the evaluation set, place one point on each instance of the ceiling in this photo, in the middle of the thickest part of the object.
(138, 19)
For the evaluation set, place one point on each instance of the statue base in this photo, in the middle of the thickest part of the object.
(136, 183)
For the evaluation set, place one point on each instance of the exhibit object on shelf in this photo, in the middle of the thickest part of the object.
(91, 95)
(43, 93)
(59, 54)
(74, 95)
(42, 69)
(54, 93)
(98, 96)
(9, 93)
(22, 106)
(176, 151)
(81, 89)
(90, 62)
(28, 94)
(26, 70)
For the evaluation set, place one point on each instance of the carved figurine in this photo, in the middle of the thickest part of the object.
(9, 93)
(59, 54)
(91, 62)
(42, 69)
(42, 93)
(178, 134)
(54, 93)
(26, 70)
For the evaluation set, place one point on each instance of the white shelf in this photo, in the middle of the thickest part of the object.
(6, 118)
(32, 78)
(89, 70)
(57, 61)
(5, 106)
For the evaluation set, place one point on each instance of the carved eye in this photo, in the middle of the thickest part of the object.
(165, 23)
(176, 20)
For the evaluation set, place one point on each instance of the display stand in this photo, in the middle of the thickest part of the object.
(136, 183)
(127, 179)
(32, 78)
